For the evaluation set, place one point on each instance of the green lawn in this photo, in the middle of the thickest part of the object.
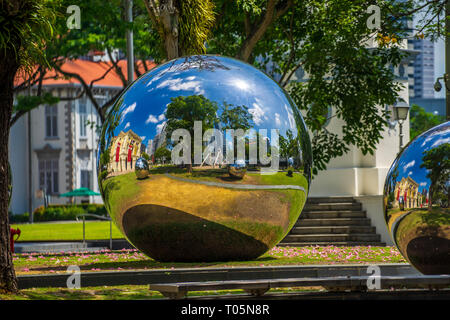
(134, 260)
(125, 292)
(66, 231)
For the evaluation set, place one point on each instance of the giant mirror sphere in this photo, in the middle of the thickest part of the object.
(194, 118)
(416, 201)
(141, 168)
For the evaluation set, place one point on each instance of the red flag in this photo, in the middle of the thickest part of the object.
(117, 152)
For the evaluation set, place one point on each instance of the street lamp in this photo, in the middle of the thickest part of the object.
(401, 109)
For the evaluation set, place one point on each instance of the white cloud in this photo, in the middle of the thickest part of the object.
(277, 119)
(161, 117)
(408, 165)
(290, 117)
(179, 84)
(126, 126)
(127, 110)
(143, 138)
(410, 173)
(151, 118)
(258, 113)
(440, 141)
(423, 184)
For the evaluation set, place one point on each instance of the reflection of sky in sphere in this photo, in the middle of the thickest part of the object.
(411, 159)
(220, 80)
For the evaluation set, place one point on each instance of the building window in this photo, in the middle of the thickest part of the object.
(48, 175)
(85, 179)
(51, 122)
(83, 118)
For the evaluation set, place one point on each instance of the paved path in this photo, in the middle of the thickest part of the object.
(238, 186)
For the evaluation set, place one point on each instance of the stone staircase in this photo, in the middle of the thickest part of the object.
(338, 221)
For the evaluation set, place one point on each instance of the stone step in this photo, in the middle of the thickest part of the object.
(52, 247)
(332, 237)
(304, 222)
(315, 200)
(333, 230)
(336, 244)
(332, 214)
(352, 206)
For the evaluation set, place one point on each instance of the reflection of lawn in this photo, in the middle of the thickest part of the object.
(241, 210)
(221, 175)
(119, 191)
(422, 219)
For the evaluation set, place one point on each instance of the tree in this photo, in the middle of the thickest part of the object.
(102, 32)
(162, 154)
(183, 25)
(421, 121)
(25, 24)
(182, 112)
(437, 162)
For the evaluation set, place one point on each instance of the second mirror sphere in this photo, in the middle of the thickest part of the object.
(204, 158)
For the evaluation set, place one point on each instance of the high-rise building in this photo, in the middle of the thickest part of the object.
(424, 69)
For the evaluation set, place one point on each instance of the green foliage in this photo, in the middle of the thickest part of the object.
(421, 121)
(27, 103)
(66, 212)
(236, 117)
(25, 28)
(195, 23)
(163, 154)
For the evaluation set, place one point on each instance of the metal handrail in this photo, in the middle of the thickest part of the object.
(84, 215)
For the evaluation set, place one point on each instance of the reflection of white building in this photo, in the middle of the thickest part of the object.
(362, 176)
(54, 148)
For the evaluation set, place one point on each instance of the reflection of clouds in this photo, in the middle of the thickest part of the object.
(408, 165)
(127, 110)
(277, 119)
(423, 184)
(290, 117)
(440, 141)
(258, 113)
(241, 84)
(159, 127)
(179, 84)
(151, 119)
(143, 138)
(161, 117)
(127, 125)
(410, 173)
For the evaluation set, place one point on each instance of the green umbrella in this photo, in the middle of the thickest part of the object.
(81, 192)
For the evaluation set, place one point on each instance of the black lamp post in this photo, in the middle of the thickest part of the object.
(401, 110)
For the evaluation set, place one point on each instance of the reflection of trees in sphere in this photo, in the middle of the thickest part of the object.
(416, 201)
(194, 118)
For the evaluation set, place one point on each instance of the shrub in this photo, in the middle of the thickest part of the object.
(67, 212)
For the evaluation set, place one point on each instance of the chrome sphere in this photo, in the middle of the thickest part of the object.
(416, 201)
(195, 117)
(141, 169)
(237, 170)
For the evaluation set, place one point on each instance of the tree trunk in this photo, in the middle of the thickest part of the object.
(169, 21)
(8, 68)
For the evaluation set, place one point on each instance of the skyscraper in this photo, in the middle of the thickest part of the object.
(424, 69)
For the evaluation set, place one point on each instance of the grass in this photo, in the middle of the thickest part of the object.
(66, 231)
(107, 260)
(125, 292)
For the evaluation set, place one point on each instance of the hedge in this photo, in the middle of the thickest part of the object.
(60, 212)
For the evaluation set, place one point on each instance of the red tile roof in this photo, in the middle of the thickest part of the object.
(89, 71)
